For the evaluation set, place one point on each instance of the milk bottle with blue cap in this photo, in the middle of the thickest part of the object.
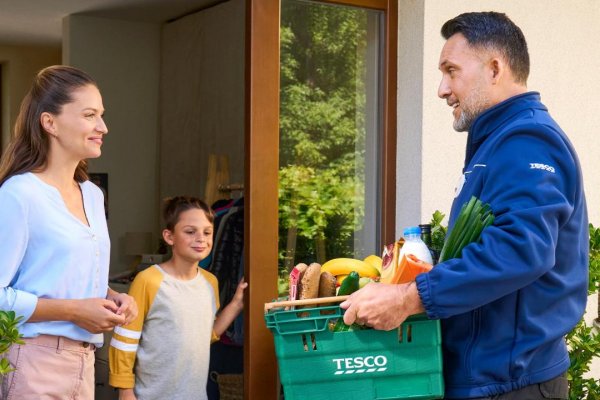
(413, 244)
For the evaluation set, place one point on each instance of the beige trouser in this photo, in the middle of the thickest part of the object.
(50, 368)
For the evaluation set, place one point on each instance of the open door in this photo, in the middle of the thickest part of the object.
(262, 144)
(260, 202)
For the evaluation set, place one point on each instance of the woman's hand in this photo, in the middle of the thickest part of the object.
(127, 307)
(96, 315)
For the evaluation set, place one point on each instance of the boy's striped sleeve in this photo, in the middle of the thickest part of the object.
(214, 283)
(125, 339)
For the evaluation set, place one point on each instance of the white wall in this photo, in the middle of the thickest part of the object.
(565, 56)
(19, 66)
(412, 140)
(123, 57)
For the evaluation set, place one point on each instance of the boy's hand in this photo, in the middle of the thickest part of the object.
(231, 310)
(126, 394)
(238, 297)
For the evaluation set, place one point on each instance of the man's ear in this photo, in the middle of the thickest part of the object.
(497, 69)
(168, 236)
(48, 123)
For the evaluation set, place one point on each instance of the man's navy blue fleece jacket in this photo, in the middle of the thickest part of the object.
(508, 302)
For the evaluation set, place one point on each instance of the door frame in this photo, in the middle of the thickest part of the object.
(261, 177)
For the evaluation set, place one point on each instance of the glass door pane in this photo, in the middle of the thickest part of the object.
(330, 132)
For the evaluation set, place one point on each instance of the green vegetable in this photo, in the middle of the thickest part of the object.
(438, 235)
(340, 326)
(350, 284)
(364, 281)
(473, 218)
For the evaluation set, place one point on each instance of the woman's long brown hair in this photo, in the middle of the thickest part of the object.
(28, 149)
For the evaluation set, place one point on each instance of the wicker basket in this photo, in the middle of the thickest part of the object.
(231, 386)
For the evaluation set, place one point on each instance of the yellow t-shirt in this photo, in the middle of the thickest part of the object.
(164, 353)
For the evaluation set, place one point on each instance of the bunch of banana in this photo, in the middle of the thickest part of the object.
(341, 267)
(375, 261)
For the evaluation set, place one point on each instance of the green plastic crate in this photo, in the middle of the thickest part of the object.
(317, 364)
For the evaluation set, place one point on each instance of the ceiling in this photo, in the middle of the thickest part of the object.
(39, 22)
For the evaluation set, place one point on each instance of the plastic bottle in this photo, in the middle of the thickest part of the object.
(413, 244)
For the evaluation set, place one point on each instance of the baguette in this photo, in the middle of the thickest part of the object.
(327, 284)
(308, 287)
(327, 288)
(309, 282)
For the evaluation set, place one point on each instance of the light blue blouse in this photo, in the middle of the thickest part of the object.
(47, 252)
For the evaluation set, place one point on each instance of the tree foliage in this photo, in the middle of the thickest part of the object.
(322, 127)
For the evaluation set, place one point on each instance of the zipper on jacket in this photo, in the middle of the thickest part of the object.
(475, 327)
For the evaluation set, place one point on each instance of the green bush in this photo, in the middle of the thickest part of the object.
(584, 341)
(9, 335)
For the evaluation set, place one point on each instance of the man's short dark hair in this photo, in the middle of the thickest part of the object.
(493, 30)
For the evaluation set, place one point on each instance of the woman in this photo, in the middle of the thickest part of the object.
(54, 240)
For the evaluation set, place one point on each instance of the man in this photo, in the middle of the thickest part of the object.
(507, 303)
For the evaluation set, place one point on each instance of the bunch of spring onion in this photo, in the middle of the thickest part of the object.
(473, 218)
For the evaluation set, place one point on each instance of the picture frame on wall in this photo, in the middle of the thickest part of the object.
(100, 179)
